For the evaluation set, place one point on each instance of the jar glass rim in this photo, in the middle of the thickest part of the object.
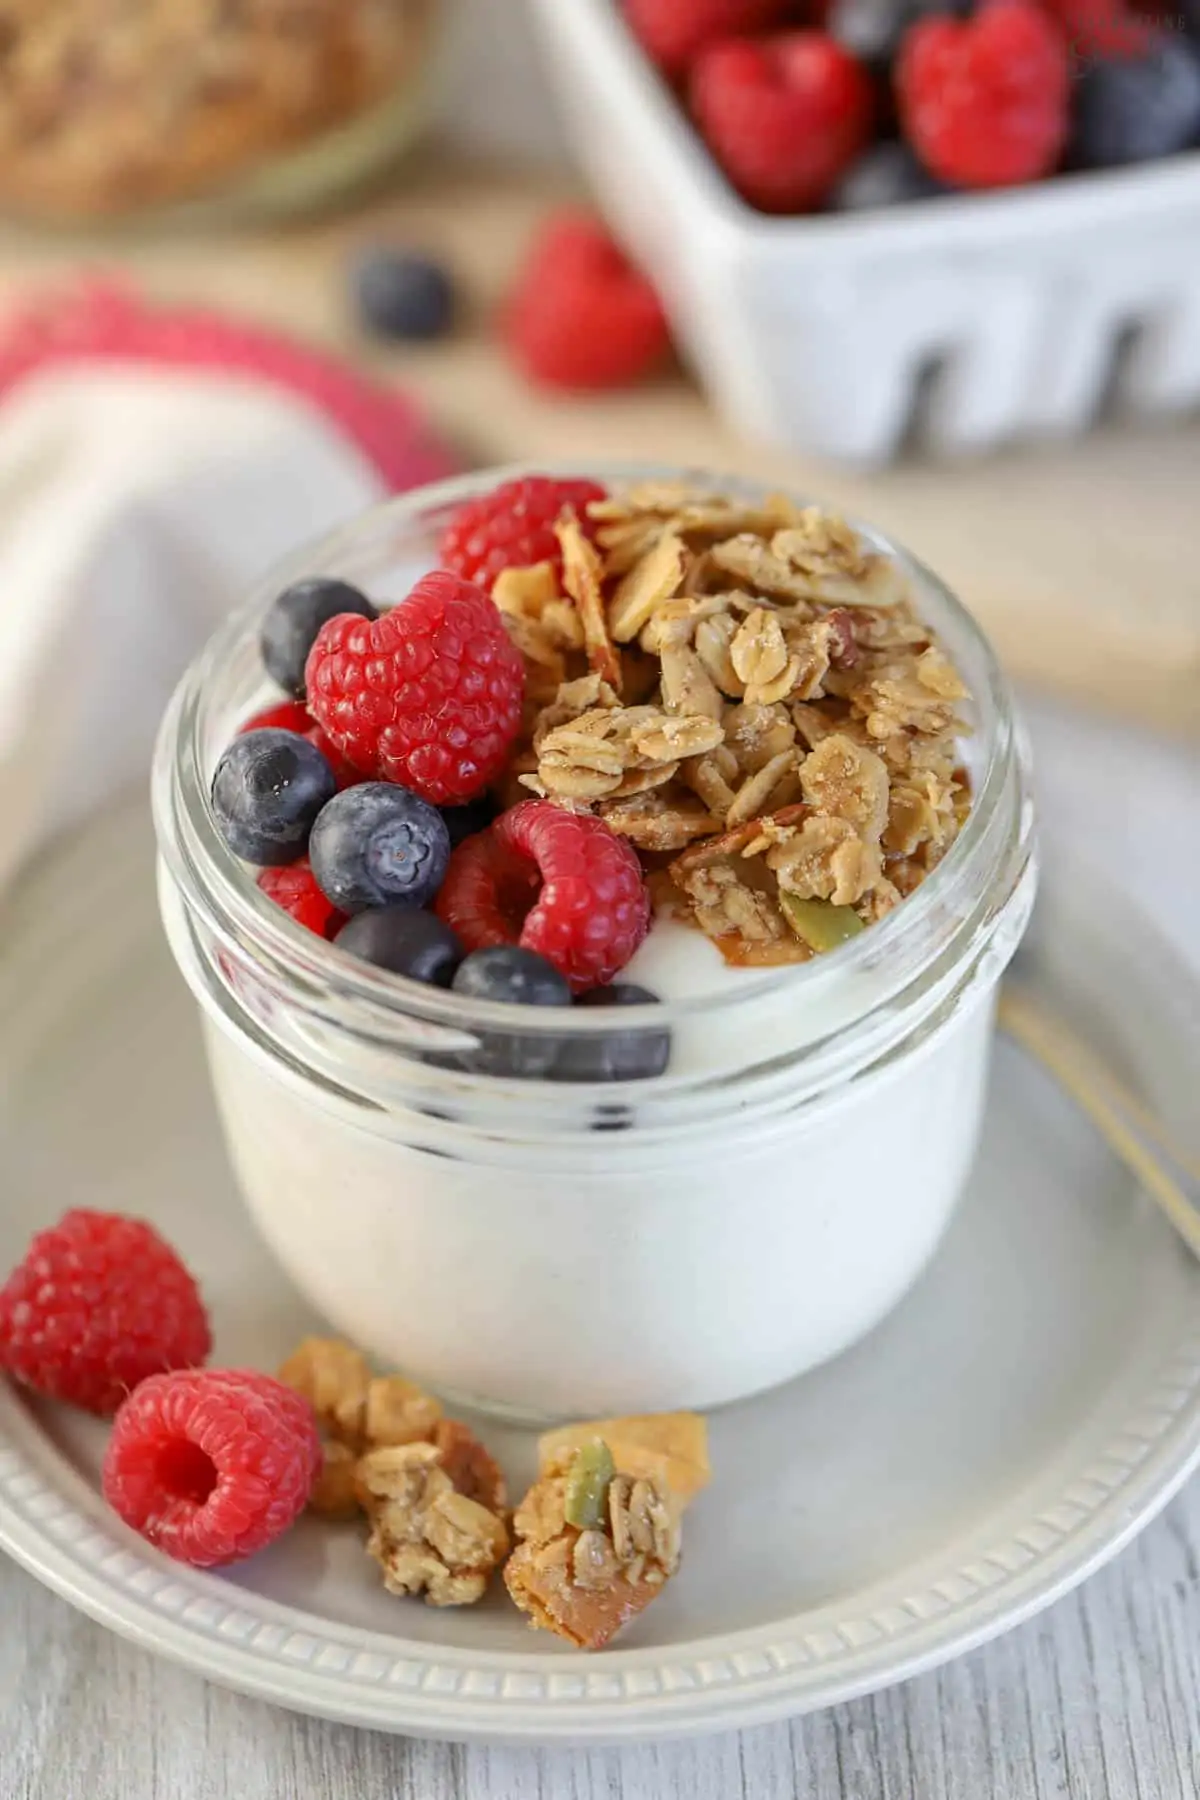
(243, 916)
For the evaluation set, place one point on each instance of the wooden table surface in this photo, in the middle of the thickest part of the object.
(1082, 561)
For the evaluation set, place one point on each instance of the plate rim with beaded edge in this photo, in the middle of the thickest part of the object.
(1079, 1501)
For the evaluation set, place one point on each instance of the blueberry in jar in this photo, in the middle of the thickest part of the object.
(378, 845)
(268, 790)
(512, 976)
(405, 940)
(618, 1055)
(290, 628)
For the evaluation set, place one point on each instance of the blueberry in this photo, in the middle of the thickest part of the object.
(402, 295)
(267, 791)
(379, 845)
(888, 175)
(464, 821)
(291, 626)
(518, 977)
(619, 1055)
(405, 940)
(1134, 109)
(872, 29)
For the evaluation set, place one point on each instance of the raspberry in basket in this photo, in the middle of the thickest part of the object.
(429, 695)
(558, 883)
(213, 1465)
(672, 31)
(785, 116)
(99, 1303)
(984, 101)
(513, 526)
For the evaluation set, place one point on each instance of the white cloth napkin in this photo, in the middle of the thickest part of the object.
(136, 505)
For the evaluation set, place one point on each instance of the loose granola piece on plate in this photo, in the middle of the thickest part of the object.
(595, 1545)
(399, 1412)
(333, 1493)
(333, 1377)
(670, 1448)
(427, 1538)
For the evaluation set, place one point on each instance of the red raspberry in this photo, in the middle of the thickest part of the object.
(581, 316)
(673, 32)
(428, 695)
(293, 715)
(589, 914)
(513, 526)
(99, 1303)
(295, 889)
(784, 116)
(984, 101)
(212, 1466)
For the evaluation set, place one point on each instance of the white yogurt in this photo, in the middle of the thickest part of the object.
(620, 1271)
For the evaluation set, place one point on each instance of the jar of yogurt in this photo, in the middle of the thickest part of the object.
(542, 1247)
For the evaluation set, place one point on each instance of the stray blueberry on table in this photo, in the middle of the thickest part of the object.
(405, 940)
(517, 977)
(294, 619)
(379, 845)
(619, 1055)
(1134, 109)
(888, 175)
(402, 295)
(267, 792)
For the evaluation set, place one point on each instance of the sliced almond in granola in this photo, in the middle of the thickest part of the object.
(648, 584)
(662, 820)
(687, 687)
(583, 580)
(757, 792)
(527, 591)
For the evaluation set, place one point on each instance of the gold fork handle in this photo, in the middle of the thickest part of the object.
(1169, 1176)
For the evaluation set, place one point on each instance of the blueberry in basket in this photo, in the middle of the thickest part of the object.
(268, 790)
(1131, 109)
(888, 175)
(294, 619)
(378, 845)
(617, 1055)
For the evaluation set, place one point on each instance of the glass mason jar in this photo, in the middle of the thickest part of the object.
(206, 114)
(543, 1250)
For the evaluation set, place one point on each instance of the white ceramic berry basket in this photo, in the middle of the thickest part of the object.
(965, 322)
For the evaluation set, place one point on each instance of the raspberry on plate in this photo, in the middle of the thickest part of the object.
(295, 889)
(559, 883)
(673, 32)
(429, 695)
(984, 102)
(784, 116)
(581, 316)
(99, 1303)
(513, 526)
(212, 1466)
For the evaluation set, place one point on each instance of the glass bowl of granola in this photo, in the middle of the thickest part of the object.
(808, 746)
(193, 110)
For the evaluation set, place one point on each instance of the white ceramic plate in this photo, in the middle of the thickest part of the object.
(1031, 1405)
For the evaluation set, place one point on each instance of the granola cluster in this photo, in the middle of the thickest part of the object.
(746, 692)
(140, 102)
(597, 1535)
(434, 1500)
